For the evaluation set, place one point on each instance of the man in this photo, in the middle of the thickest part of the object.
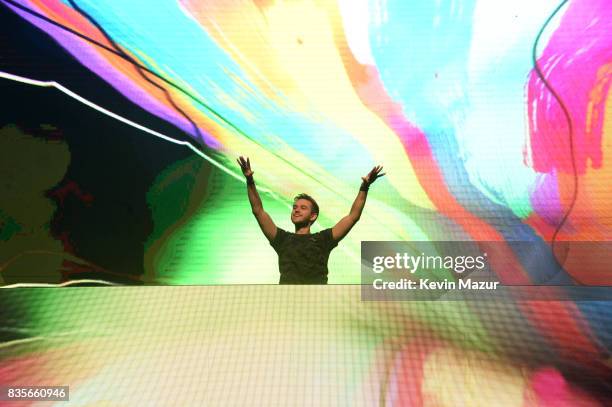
(302, 256)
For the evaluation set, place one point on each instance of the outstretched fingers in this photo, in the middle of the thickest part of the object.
(244, 164)
(374, 174)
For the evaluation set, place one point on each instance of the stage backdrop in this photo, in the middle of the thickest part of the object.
(491, 121)
(119, 129)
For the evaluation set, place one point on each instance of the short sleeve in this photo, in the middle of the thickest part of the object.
(279, 239)
(327, 240)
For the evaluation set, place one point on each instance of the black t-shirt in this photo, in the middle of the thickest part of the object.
(302, 259)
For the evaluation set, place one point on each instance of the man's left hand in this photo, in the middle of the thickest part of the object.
(373, 175)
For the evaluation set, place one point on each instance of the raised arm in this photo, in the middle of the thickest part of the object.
(263, 219)
(346, 224)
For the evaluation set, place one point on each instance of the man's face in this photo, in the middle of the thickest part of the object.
(302, 212)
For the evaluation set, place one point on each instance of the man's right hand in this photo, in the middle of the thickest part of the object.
(245, 166)
(263, 219)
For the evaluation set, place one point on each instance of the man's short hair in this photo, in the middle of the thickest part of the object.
(315, 206)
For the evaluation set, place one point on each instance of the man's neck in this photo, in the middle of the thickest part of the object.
(302, 230)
